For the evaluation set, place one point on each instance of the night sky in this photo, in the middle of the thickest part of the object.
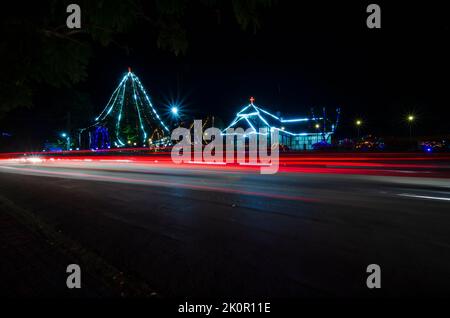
(303, 56)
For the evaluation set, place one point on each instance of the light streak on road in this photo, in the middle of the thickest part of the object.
(423, 197)
(384, 164)
(149, 182)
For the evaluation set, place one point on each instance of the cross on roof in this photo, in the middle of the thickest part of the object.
(252, 100)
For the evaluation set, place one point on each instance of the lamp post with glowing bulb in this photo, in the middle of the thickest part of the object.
(410, 120)
(175, 114)
(358, 123)
(67, 137)
(317, 128)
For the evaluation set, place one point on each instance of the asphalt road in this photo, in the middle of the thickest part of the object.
(213, 232)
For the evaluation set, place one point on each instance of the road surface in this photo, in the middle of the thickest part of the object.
(211, 232)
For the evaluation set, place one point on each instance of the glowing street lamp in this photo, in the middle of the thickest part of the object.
(317, 127)
(358, 123)
(64, 135)
(410, 118)
(175, 112)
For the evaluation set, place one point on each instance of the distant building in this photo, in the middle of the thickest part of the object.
(299, 133)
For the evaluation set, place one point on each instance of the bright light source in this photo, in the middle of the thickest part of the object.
(174, 110)
(410, 118)
(63, 135)
(34, 160)
(358, 122)
(317, 126)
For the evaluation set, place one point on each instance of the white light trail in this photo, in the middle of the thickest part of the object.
(423, 197)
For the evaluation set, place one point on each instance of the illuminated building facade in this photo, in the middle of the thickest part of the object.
(300, 133)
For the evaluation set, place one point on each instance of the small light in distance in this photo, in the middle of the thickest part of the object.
(34, 160)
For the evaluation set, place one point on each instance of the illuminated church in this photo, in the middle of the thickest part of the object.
(300, 133)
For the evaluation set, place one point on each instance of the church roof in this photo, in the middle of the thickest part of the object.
(252, 116)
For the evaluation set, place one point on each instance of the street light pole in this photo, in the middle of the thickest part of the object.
(410, 122)
(358, 125)
(317, 129)
(175, 114)
(67, 137)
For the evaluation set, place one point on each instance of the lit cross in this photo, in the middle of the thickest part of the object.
(252, 100)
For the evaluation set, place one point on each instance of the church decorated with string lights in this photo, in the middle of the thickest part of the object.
(296, 133)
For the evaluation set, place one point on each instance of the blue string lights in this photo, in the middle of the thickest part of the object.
(252, 113)
(129, 116)
(254, 117)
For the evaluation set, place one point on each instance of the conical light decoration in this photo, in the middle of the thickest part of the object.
(129, 118)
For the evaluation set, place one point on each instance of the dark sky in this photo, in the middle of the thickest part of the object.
(303, 56)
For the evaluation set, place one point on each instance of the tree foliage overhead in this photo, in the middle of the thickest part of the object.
(37, 48)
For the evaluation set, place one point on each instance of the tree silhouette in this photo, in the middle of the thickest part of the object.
(38, 49)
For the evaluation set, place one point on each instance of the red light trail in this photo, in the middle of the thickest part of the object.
(383, 164)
